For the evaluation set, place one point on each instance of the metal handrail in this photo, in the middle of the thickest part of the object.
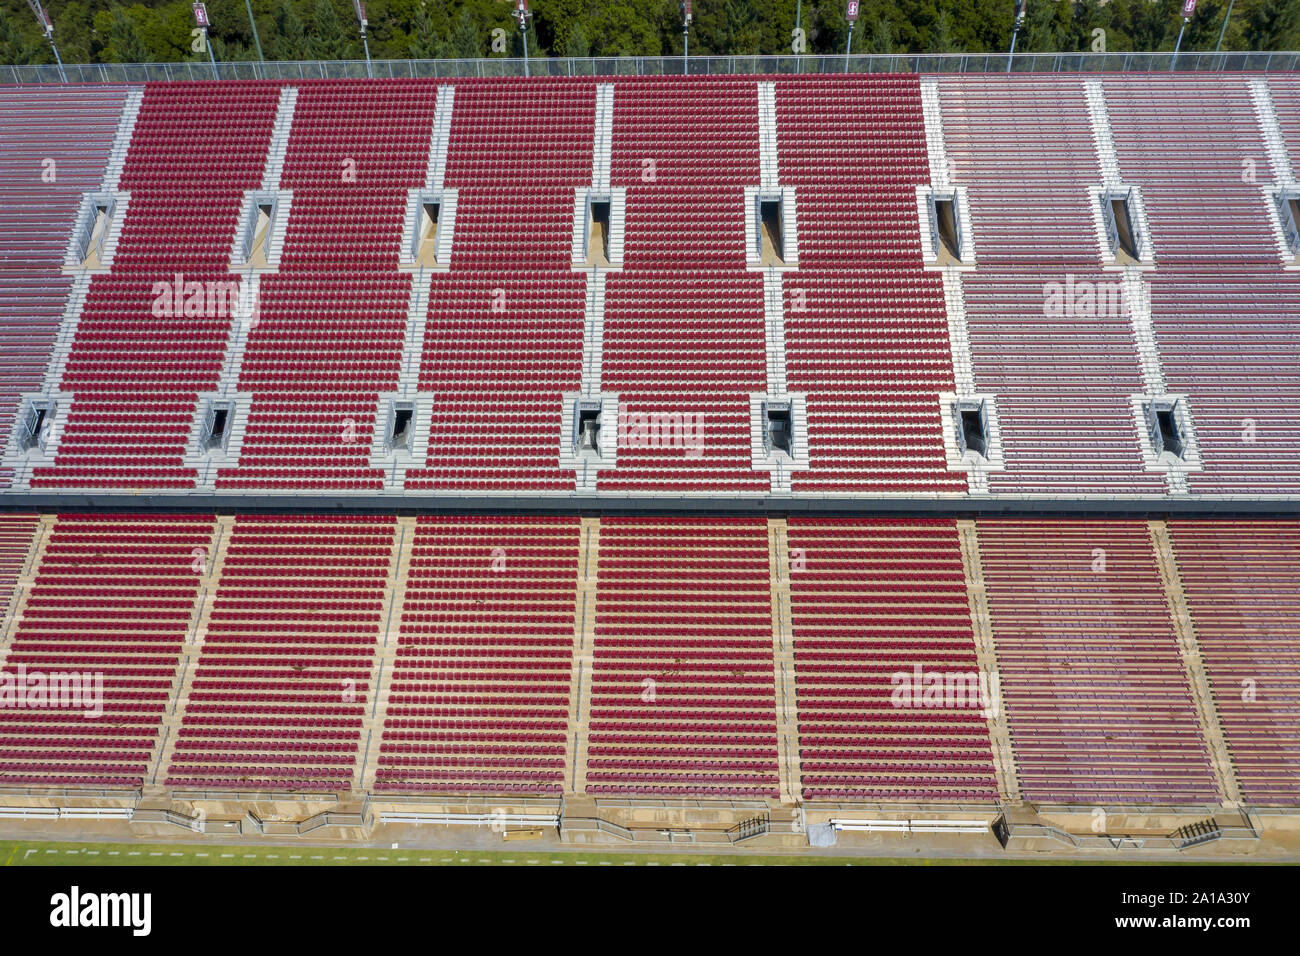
(1185, 62)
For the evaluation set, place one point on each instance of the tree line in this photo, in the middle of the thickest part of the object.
(95, 31)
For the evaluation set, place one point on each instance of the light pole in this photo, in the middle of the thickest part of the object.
(1189, 7)
(48, 27)
(522, 13)
(1225, 26)
(850, 14)
(1015, 30)
(360, 8)
(201, 18)
(686, 35)
(257, 41)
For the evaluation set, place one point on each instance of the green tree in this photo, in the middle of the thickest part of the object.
(90, 31)
(1041, 33)
(828, 29)
(941, 33)
(555, 21)
(1271, 25)
(618, 29)
(288, 37)
(466, 37)
(882, 37)
(328, 41)
(124, 43)
(426, 44)
(577, 44)
(13, 49)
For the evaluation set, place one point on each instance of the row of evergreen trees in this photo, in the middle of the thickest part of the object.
(93, 31)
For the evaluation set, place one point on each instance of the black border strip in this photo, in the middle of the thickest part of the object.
(1151, 507)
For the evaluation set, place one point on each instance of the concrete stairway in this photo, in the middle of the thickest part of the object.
(1004, 758)
(1197, 680)
(182, 682)
(584, 633)
(783, 663)
(385, 653)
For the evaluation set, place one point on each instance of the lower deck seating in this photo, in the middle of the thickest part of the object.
(16, 535)
(1095, 689)
(479, 695)
(639, 656)
(683, 693)
(105, 618)
(879, 612)
(285, 674)
(1243, 593)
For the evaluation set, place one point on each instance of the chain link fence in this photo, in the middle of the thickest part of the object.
(656, 66)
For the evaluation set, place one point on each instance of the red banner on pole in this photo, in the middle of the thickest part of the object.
(851, 14)
(1189, 7)
(201, 15)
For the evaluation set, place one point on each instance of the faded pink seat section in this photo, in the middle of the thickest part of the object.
(1243, 592)
(1096, 693)
(54, 146)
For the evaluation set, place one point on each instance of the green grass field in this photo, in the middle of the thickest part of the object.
(31, 853)
(28, 853)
